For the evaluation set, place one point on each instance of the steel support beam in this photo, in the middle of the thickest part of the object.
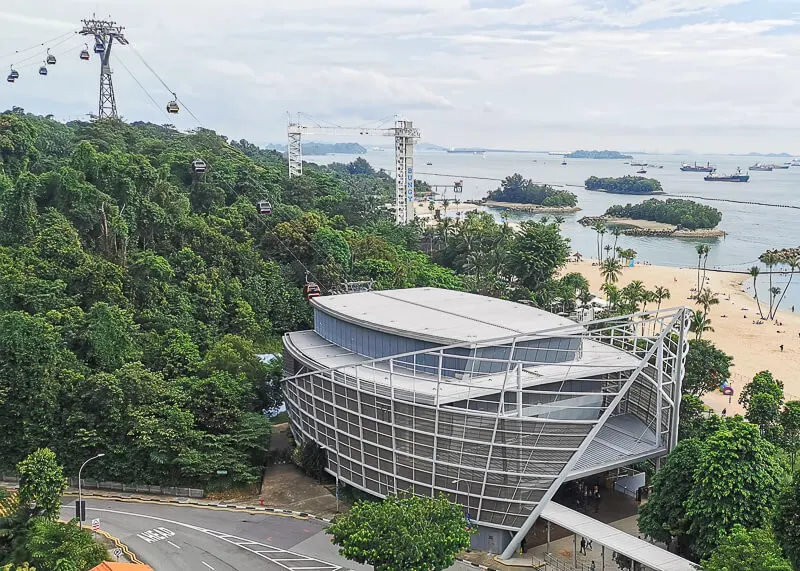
(645, 359)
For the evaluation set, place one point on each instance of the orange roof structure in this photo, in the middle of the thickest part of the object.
(113, 566)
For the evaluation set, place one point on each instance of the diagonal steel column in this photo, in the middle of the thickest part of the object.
(526, 526)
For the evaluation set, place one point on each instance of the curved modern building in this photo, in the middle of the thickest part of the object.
(494, 403)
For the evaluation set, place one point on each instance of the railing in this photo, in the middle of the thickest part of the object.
(554, 562)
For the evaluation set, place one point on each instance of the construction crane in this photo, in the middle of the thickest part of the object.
(104, 33)
(404, 135)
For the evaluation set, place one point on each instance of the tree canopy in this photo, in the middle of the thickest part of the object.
(412, 533)
(135, 294)
(677, 211)
(517, 189)
(728, 475)
(624, 185)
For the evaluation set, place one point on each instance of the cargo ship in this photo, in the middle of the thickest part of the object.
(738, 176)
(686, 167)
(760, 167)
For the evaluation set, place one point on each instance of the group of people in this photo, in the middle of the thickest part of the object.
(586, 495)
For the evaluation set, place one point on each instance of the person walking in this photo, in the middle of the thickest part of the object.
(589, 544)
(583, 546)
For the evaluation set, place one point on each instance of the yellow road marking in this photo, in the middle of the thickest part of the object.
(128, 553)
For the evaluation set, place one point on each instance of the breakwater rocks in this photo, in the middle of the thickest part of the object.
(529, 207)
(632, 227)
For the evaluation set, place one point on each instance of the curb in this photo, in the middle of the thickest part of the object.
(191, 502)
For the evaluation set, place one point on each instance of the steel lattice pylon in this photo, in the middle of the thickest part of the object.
(104, 33)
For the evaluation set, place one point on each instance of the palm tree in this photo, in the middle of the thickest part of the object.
(607, 248)
(769, 259)
(600, 228)
(610, 270)
(445, 204)
(699, 324)
(702, 250)
(706, 298)
(774, 292)
(616, 231)
(661, 293)
(705, 261)
(585, 296)
(612, 294)
(754, 272)
(634, 292)
(794, 263)
(559, 220)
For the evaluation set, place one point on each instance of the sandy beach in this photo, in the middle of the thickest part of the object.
(754, 347)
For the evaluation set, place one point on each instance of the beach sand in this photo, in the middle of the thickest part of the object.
(754, 347)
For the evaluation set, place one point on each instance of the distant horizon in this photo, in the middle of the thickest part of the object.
(433, 147)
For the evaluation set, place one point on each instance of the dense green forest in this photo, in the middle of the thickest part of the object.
(681, 213)
(135, 295)
(581, 154)
(521, 190)
(624, 185)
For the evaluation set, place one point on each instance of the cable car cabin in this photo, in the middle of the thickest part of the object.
(172, 107)
(51, 59)
(99, 48)
(311, 290)
(43, 70)
(264, 207)
(10, 78)
(458, 186)
(85, 54)
(14, 74)
(199, 166)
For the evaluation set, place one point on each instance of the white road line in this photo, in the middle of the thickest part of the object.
(207, 565)
(258, 549)
(173, 545)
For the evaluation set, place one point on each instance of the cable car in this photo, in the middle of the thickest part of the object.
(13, 75)
(10, 78)
(43, 70)
(172, 106)
(51, 59)
(99, 47)
(85, 53)
(199, 166)
(310, 289)
(264, 207)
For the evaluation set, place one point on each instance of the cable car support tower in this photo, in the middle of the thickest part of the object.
(405, 135)
(104, 33)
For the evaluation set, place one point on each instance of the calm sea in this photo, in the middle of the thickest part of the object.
(750, 229)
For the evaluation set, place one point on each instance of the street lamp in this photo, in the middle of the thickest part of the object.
(80, 490)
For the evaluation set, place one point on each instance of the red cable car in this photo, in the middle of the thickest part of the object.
(311, 290)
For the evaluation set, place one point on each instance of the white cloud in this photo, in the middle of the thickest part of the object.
(533, 74)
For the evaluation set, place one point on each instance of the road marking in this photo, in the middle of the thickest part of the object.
(156, 534)
(271, 553)
(207, 565)
(173, 545)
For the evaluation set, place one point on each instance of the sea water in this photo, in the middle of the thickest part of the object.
(750, 229)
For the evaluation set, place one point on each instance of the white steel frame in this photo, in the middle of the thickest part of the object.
(513, 437)
(404, 135)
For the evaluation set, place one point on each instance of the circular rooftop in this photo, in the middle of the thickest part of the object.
(441, 316)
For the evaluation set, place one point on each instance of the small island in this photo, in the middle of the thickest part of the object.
(624, 185)
(581, 154)
(333, 149)
(518, 193)
(674, 217)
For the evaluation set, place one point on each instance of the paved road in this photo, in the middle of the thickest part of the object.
(192, 538)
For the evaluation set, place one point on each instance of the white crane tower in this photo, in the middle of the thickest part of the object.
(404, 135)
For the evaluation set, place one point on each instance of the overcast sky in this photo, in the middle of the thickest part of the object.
(640, 75)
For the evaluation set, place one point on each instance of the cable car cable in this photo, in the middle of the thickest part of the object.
(125, 67)
(37, 55)
(16, 52)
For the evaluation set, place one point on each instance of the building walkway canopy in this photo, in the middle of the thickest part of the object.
(649, 555)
